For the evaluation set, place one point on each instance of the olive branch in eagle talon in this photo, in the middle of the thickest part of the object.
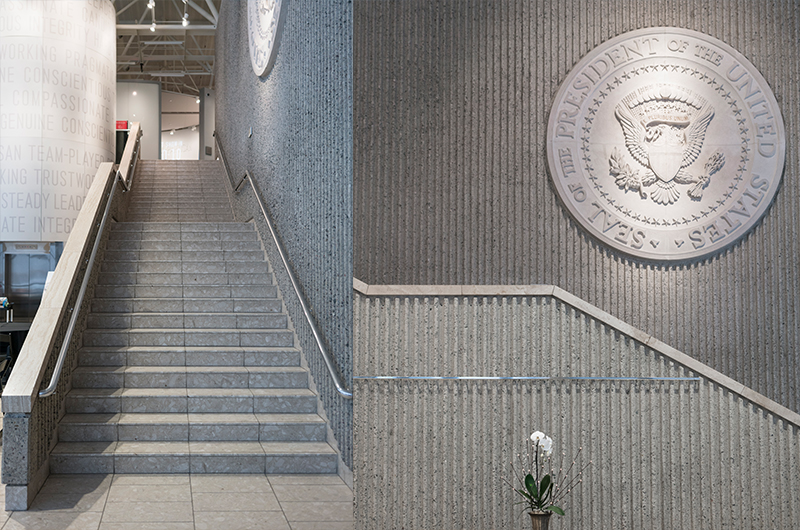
(626, 178)
(664, 127)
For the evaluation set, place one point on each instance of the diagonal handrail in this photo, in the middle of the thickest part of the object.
(341, 386)
(123, 177)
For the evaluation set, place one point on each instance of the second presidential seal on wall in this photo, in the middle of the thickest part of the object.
(666, 144)
(264, 27)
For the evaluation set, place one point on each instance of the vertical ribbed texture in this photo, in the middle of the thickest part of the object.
(300, 155)
(451, 102)
(665, 454)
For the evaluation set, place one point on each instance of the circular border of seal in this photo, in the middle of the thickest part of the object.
(264, 50)
(698, 240)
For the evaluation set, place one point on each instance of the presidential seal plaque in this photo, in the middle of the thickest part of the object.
(666, 144)
(264, 25)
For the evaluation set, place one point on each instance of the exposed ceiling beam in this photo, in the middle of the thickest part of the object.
(157, 57)
(202, 12)
(213, 9)
(130, 4)
(165, 29)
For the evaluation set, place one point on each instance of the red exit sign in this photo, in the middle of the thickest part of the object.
(122, 125)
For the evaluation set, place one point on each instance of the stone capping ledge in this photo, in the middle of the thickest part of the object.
(595, 312)
(23, 385)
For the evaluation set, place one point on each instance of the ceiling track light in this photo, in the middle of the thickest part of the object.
(153, 27)
(151, 4)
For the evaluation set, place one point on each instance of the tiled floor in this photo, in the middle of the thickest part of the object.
(187, 502)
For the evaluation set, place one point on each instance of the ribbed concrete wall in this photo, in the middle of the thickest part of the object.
(665, 454)
(300, 154)
(451, 101)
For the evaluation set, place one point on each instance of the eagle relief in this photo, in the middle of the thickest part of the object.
(666, 144)
(664, 127)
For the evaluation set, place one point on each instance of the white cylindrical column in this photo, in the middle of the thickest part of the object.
(57, 104)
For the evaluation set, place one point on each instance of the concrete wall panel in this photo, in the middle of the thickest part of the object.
(678, 453)
(451, 186)
(300, 155)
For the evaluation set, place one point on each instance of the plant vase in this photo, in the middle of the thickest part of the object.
(540, 520)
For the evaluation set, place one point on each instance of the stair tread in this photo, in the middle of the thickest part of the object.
(187, 369)
(199, 349)
(191, 392)
(185, 234)
(193, 417)
(192, 447)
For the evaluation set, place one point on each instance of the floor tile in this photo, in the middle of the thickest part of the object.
(230, 483)
(318, 511)
(241, 521)
(53, 521)
(148, 512)
(315, 525)
(70, 502)
(149, 493)
(147, 526)
(234, 502)
(317, 480)
(301, 493)
(151, 479)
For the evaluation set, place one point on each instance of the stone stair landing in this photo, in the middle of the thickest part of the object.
(189, 363)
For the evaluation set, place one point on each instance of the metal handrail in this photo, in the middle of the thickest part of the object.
(62, 354)
(75, 309)
(341, 387)
(130, 157)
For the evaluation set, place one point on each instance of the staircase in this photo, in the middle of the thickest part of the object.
(189, 363)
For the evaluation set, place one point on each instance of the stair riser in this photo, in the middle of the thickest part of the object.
(122, 358)
(180, 305)
(190, 380)
(157, 463)
(188, 291)
(177, 235)
(191, 267)
(184, 227)
(186, 255)
(199, 432)
(188, 338)
(173, 246)
(203, 404)
(186, 278)
(188, 322)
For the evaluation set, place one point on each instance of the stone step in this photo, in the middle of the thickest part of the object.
(184, 278)
(188, 337)
(189, 377)
(188, 255)
(186, 320)
(189, 305)
(174, 246)
(187, 356)
(181, 227)
(177, 235)
(191, 427)
(186, 291)
(190, 400)
(183, 267)
(192, 457)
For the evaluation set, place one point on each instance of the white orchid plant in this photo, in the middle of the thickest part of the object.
(543, 487)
